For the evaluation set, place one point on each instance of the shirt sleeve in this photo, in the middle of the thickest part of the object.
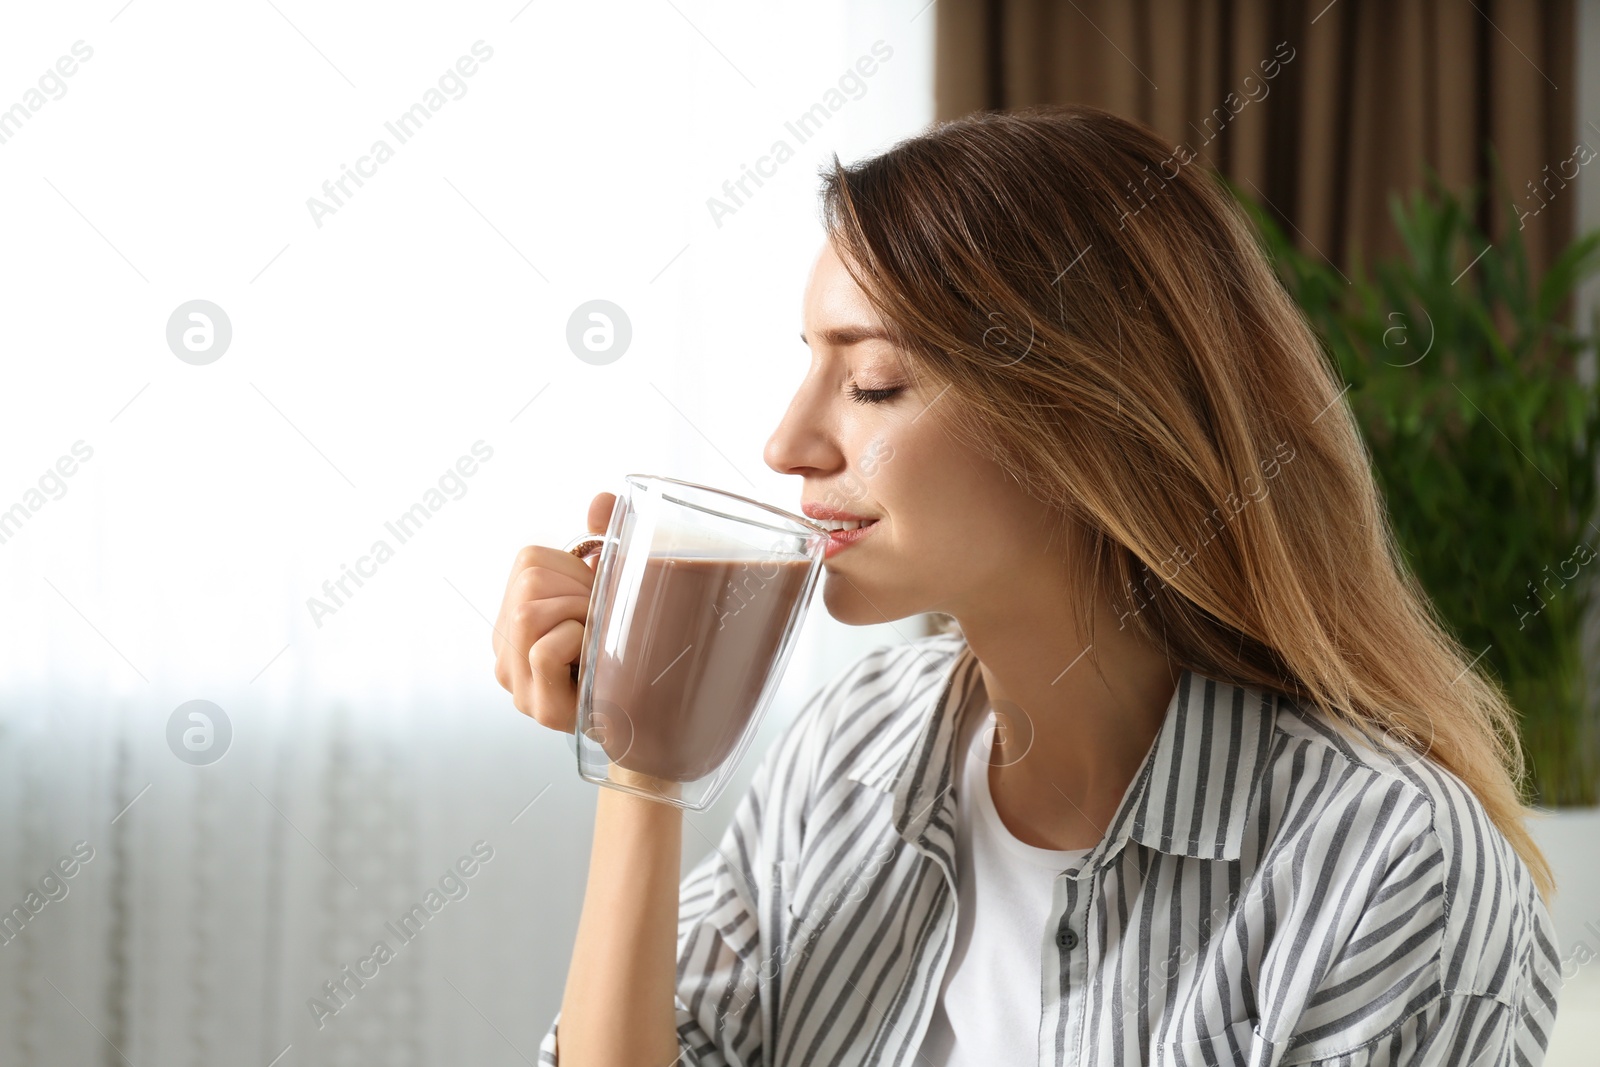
(1460, 1029)
(1434, 974)
(1536, 1010)
(724, 957)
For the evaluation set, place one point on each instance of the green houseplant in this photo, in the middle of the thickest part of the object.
(1465, 380)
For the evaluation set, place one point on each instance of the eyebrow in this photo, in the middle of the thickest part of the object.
(843, 336)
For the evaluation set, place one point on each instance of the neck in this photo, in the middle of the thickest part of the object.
(1068, 738)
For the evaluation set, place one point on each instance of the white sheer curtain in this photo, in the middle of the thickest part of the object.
(165, 522)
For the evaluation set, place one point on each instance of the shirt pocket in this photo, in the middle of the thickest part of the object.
(812, 893)
(1227, 1048)
(816, 893)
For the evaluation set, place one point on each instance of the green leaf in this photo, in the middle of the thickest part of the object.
(1463, 440)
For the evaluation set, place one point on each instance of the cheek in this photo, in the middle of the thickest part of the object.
(904, 463)
(868, 479)
(907, 480)
(964, 498)
(916, 461)
(875, 456)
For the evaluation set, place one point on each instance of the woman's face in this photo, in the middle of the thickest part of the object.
(954, 532)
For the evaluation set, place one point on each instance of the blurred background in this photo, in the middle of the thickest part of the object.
(282, 282)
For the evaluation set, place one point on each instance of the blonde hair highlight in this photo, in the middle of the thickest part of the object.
(1115, 337)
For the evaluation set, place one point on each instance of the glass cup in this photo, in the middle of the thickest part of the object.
(698, 596)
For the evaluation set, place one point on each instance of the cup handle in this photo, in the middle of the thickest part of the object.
(583, 546)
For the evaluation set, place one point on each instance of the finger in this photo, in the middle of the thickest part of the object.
(545, 556)
(538, 570)
(553, 698)
(528, 622)
(546, 581)
(537, 583)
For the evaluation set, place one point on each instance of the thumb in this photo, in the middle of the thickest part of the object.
(600, 509)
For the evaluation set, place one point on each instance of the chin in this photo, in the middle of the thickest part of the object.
(847, 601)
(843, 602)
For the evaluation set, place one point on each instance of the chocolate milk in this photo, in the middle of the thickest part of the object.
(672, 699)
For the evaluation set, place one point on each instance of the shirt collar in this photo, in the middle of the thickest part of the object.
(1190, 797)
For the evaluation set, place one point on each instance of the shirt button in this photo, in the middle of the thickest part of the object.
(1067, 938)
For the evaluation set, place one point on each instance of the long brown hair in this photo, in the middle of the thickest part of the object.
(1114, 337)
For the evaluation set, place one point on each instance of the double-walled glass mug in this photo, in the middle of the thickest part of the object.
(697, 599)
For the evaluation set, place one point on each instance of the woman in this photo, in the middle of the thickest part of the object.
(1197, 779)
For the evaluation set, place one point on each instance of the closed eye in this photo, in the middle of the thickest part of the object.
(873, 396)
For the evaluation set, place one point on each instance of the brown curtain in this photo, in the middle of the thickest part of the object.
(1363, 96)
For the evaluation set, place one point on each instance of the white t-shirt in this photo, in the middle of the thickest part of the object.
(984, 1014)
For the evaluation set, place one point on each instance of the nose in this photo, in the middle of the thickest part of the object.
(802, 442)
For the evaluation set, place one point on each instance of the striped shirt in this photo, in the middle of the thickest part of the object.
(1268, 893)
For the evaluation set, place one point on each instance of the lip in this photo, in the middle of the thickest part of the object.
(839, 540)
(823, 511)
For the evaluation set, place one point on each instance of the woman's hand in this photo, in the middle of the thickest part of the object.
(539, 634)
(619, 1005)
